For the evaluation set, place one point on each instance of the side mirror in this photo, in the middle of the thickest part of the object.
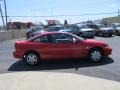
(77, 41)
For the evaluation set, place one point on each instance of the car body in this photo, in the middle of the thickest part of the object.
(73, 28)
(59, 45)
(86, 31)
(104, 31)
(34, 31)
(116, 28)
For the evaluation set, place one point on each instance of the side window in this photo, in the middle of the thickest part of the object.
(62, 38)
(43, 39)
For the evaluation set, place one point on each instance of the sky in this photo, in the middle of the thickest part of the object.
(60, 7)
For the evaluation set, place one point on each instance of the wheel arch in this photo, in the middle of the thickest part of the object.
(98, 48)
(31, 51)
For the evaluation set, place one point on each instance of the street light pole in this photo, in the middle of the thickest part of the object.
(2, 17)
(118, 16)
(5, 14)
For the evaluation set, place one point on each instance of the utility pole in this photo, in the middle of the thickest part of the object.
(118, 16)
(5, 14)
(2, 18)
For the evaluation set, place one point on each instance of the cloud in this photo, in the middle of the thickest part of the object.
(113, 5)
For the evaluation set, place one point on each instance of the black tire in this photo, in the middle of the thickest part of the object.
(95, 55)
(117, 33)
(32, 58)
(92, 36)
(110, 35)
(101, 34)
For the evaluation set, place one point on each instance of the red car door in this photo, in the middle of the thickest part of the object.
(65, 47)
(58, 47)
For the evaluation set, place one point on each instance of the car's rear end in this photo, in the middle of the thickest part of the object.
(19, 49)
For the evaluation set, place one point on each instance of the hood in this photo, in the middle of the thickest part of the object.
(95, 42)
(87, 29)
(106, 28)
(66, 30)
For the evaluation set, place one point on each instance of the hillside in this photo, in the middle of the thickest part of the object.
(112, 19)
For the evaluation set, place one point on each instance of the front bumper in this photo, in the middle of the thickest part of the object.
(108, 51)
(88, 34)
(108, 32)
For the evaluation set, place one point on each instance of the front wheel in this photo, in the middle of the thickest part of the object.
(95, 55)
(110, 35)
(100, 34)
(117, 33)
(32, 59)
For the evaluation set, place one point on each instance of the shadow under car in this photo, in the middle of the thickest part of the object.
(59, 64)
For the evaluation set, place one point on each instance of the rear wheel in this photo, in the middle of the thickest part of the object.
(95, 55)
(32, 58)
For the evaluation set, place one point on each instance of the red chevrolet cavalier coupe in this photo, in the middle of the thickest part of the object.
(59, 45)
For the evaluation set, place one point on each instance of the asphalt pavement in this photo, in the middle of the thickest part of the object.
(107, 69)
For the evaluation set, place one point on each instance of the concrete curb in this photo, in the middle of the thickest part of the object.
(54, 81)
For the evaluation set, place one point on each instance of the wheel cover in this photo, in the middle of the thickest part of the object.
(31, 59)
(96, 55)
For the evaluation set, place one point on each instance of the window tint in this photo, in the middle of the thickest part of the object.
(56, 38)
(43, 39)
(62, 38)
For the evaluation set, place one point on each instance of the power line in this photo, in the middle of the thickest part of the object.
(66, 15)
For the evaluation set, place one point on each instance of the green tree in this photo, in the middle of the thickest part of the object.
(65, 22)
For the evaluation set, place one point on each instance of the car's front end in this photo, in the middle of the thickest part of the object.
(107, 31)
(87, 32)
(106, 49)
(117, 30)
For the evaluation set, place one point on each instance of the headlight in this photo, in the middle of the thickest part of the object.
(106, 47)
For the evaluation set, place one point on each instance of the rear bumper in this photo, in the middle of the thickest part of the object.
(18, 54)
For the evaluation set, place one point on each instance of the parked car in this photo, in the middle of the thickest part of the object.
(85, 31)
(70, 30)
(73, 28)
(55, 28)
(104, 31)
(116, 27)
(34, 31)
(59, 45)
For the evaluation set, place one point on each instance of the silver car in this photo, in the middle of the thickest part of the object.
(85, 31)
